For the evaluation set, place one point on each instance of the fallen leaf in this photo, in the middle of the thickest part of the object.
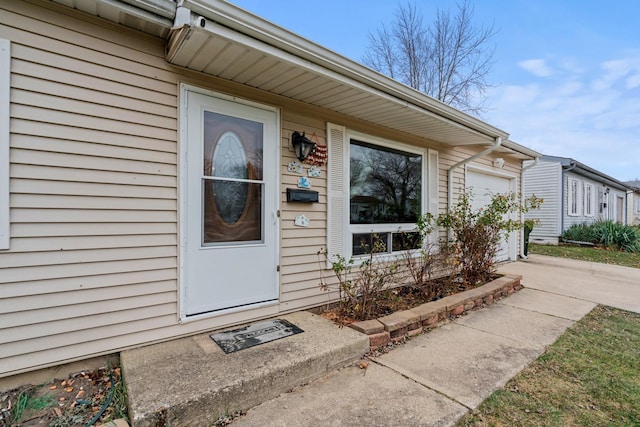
(364, 365)
(68, 389)
(53, 387)
(62, 399)
(80, 394)
(63, 384)
(57, 411)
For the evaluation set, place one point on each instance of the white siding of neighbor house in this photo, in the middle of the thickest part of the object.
(93, 261)
(545, 181)
(581, 218)
(633, 208)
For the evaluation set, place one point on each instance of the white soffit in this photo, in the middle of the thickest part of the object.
(225, 41)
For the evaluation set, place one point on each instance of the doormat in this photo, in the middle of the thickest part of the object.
(256, 334)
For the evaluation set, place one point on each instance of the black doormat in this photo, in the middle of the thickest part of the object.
(256, 334)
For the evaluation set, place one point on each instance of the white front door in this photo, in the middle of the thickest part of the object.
(229, 218)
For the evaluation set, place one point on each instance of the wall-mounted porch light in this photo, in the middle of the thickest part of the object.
(302, 145)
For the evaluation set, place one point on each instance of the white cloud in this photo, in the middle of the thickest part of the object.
(537, 67)
(633, 81)
(593, 116)
(625, 71)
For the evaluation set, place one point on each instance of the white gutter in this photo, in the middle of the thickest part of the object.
(532, 164)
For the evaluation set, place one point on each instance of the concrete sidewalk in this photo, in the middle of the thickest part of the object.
(437, 377)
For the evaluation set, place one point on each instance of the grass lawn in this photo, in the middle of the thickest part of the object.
(589, 377)
(588, 254)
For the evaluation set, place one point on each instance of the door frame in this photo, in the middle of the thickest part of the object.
(512, 240)
(184, 89)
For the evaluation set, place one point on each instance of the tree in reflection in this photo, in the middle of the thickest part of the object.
(385, 185)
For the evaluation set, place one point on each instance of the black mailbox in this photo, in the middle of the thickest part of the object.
(302, 196)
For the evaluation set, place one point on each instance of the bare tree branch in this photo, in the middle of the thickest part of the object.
(449, 60)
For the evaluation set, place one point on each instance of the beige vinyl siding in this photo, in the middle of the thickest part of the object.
(299, 268)
(92, 192)
(93, 264)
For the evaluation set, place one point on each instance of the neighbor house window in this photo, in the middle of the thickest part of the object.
(574, 196)
(588, 199)
(385, 197)
(5, 63)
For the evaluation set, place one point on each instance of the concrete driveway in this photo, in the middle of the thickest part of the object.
(605, 284)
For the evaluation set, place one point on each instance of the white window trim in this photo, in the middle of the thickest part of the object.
(381, 228)
(571, 196)
(5, 86)
(589, 209)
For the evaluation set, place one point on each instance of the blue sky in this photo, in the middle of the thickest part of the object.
(566, 76)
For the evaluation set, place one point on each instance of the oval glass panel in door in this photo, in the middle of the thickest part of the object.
(230, 161)
(232, 184)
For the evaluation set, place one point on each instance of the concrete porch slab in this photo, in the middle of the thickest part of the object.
(191, 381)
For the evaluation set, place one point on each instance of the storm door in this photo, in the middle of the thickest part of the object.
(230, 223)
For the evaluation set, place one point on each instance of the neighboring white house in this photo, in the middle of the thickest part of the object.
(573, 193)
(633, 202)
(145, 195)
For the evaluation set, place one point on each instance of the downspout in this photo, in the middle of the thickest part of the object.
(495, 146)
(535, 162)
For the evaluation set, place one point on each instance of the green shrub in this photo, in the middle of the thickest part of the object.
(477, 233)
(580, 233)
(606, 233)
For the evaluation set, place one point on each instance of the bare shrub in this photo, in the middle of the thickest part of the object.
(362, 283)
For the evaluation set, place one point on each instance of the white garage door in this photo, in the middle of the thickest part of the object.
(482, 187)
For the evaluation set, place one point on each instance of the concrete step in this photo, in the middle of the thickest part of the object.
(191, 381)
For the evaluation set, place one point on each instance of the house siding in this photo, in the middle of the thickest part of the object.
(94, 253)
(544, 180)
(608, 213)
(633, 208)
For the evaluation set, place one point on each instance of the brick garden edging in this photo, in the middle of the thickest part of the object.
(407, 323)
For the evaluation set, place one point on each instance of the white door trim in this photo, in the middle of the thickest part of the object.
(184, 89)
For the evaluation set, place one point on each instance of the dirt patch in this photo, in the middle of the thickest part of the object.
(83, 397)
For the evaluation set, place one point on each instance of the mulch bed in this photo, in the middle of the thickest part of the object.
(403, 298)
(73, 401)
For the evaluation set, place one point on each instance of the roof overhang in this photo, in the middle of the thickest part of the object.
(220, 39)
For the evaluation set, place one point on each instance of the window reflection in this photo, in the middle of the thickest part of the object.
(385, 185)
